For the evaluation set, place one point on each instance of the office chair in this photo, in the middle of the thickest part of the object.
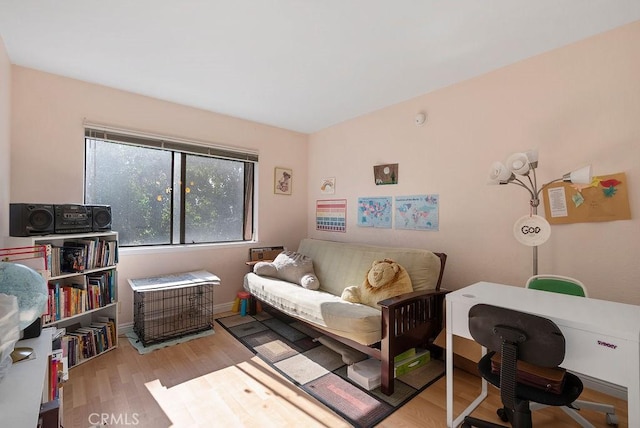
(519, 337)
(557, 284)
(567, 285)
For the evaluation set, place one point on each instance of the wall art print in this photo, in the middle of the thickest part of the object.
(419, 212)
(331, 215)
(375, 212)
(328, 186)
(385, 174)
(283, 181)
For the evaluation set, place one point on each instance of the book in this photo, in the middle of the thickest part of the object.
(73, 258)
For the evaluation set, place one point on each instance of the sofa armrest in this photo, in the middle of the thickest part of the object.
(410, 297)
(409, 320)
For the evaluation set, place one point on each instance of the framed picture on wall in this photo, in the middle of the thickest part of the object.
(282, 181)
(328, 186)
(386, 174)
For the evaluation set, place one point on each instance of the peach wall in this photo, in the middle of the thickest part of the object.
(578, 105)
(5, 116)
(47, 162)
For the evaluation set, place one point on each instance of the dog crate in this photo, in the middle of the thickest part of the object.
(165, 313)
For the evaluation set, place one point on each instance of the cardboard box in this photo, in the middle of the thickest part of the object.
(366, 373)
(406, 365)
(466, 352)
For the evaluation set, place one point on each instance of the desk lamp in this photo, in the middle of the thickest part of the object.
(520, 169)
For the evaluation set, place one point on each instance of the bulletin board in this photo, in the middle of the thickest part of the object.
(605, 199)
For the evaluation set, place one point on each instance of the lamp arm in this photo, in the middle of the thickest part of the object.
(520, 183)
(544, 186)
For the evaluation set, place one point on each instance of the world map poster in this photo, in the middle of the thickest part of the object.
(418, 212)
(375, 212)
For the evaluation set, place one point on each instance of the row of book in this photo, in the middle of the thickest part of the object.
(58, 371)
(81, 343)
(79, 255)
(89, 292)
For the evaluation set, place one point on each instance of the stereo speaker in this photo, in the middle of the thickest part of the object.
(30, 219)
(101, 217)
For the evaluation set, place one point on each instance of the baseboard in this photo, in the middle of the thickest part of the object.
(611, 389)
(125, 328)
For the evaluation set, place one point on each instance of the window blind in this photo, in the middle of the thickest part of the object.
(168, 144)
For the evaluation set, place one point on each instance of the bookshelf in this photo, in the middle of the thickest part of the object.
(81, 271)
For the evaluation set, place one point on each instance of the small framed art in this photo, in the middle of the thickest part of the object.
(282, 181)
(386, 174)
(328, 186)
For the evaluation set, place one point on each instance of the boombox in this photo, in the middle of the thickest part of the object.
(43, 219)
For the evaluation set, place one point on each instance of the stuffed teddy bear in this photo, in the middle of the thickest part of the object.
(385, 279)
(290, 266)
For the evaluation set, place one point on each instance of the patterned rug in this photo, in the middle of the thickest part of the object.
(290, 348)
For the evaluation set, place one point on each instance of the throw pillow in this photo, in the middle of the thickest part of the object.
(292, 267)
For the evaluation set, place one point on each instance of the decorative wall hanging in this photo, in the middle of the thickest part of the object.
(605, 198)
(328, 186)
(283, 181)
(375, 212)
(331, 215)
(386, 174)
(418, 212)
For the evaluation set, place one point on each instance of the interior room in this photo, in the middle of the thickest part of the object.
(324, 93)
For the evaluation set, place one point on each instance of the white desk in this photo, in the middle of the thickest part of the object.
(21, 389)
(602, 337)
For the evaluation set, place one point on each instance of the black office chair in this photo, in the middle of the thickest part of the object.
(519, 336)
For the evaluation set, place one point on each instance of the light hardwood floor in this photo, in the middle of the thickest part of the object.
(216, 382)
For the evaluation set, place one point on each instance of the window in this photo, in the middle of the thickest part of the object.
(165, 192)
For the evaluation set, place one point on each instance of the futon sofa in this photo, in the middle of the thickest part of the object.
(403, 322)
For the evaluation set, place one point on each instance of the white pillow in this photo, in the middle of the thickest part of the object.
(290, 266)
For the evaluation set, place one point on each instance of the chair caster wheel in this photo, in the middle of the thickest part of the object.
(612, 419)
(502, 414)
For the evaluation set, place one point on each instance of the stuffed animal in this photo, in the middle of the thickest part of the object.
(385, 279)
(290, 266)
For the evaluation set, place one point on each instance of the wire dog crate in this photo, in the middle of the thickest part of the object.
(166, 313)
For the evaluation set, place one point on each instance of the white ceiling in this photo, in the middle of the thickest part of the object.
(302, 65)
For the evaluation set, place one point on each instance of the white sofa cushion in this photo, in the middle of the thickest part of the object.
(339, 265)
(351, 320)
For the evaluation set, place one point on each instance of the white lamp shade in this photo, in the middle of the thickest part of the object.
(532, 155)
(518, 163)
(499, 173)
(579, 176)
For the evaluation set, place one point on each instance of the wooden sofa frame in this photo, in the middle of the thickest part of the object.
(409, 320)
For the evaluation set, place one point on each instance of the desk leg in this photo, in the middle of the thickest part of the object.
(633, 391)
(449, 363)
(451, 423)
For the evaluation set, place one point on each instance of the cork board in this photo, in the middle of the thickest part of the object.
(605, 199)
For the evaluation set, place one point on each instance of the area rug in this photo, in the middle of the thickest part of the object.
(137, 343)
(289, 347)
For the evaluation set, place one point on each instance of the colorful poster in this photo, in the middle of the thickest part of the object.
(418, 212)
(375, 212)
(331, 215)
